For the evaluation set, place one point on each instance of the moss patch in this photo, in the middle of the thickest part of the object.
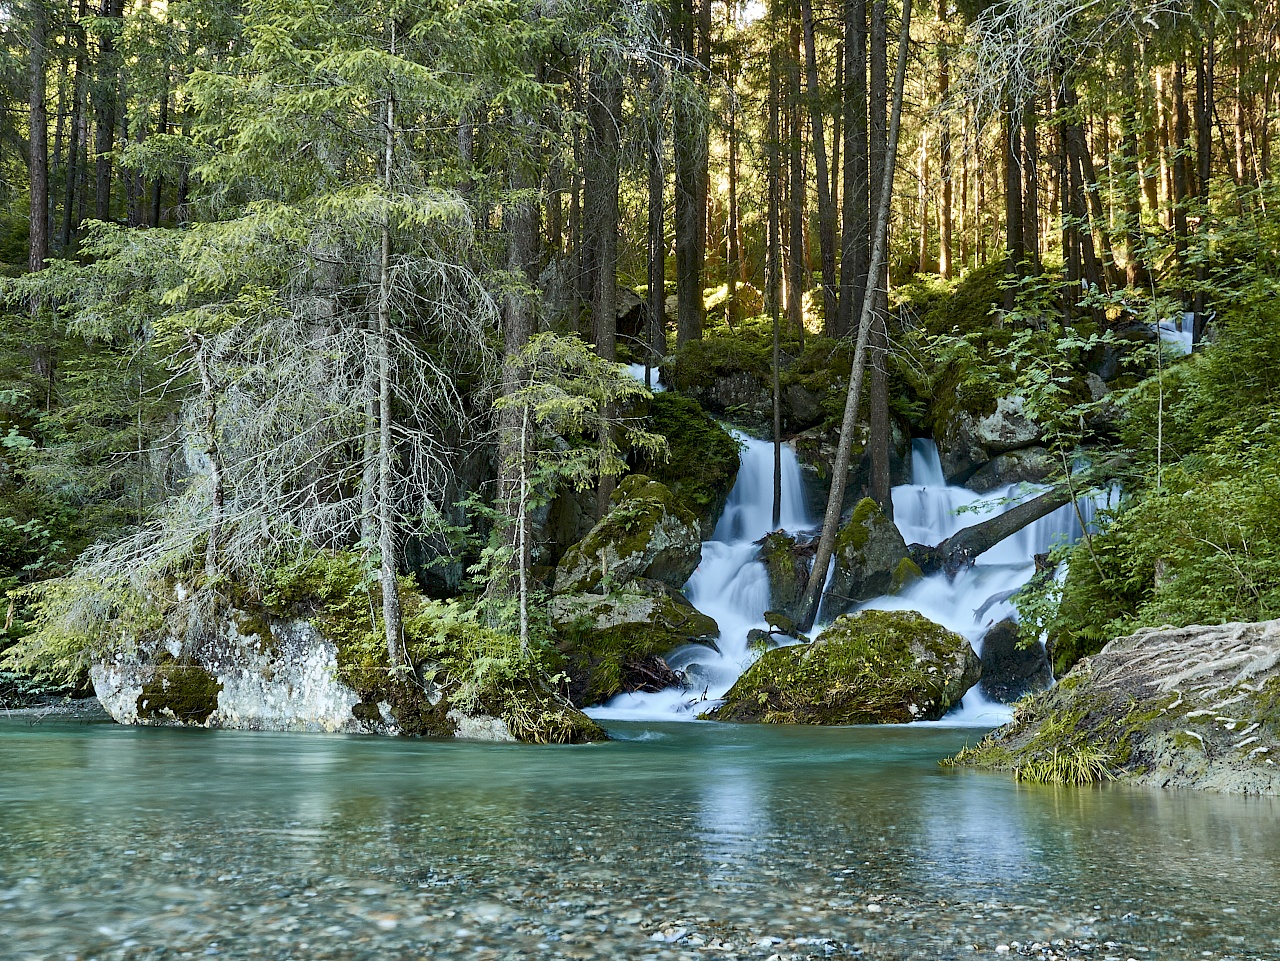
(180, 692)
(457, 662)
(875, 667)
(703, 461)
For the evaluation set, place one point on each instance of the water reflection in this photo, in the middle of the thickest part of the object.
(177, 840)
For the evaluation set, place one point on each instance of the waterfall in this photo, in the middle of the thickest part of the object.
(731, 586)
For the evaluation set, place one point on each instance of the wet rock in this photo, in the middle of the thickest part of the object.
(959, 450)
(1009, 668)
(1195, 707)
(702, 458)
(873, 667)
(816, 451)
(788, 571)
(615, 642)
(802, 407)
(646, 534)
(1032, 465)
(871, 559)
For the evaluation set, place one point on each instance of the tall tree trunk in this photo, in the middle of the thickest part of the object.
(391, 615)
(826, 207)
(880, 165)
(656, 346)
(104, 110)
(1181, 146)
(1015, 249)
(75, 148)
(795, 248)
(1204, 170)
(840, 469)
(604, 113)
(38, 124)
(944, 152)
(1030, 187)
(689, 137)
(1135, 266)
(773, 257)
(856, 220)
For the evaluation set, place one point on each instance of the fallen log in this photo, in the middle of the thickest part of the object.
(962, 548)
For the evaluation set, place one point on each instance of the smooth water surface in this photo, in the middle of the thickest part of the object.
(675, 841)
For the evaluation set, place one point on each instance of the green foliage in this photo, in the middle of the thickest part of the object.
(702, 459)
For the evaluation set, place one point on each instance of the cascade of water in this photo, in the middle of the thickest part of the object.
(978, 597)
(729, 585)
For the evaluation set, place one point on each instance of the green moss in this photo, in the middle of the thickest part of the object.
(854, 535)
(703, 457)
(601, 662)
(182, 692)
(458, 662)
(905, 574)
(867, 669)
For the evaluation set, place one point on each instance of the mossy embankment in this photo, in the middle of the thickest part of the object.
(1179, 707)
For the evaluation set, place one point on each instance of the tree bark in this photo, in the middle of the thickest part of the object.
(840, 469)
(104, 111)
(38, 121)
(826, 207)
(656, 346)
(689, 136)
(856, 220)
(944, 152)
(1015, 249)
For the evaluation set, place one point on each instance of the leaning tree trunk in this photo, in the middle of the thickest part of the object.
(835, 498)
(963, 548)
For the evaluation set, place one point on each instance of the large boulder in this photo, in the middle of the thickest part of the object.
(615, 642)
(648, 534)
(871, 559)
(873, 667)
(959, 450)
(968, 440)
(1032, 465)
(1187, 707)
(1007, 428)
(788, 572)
(1010, 668)
(816, 451)
(301, 656)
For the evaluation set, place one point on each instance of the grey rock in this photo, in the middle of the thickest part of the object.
(1032, 465)
(1007, 428)
(1184, 707)
(871, 559)
(1009, 669)
(647, 534)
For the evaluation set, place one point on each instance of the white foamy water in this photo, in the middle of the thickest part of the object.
(979, 596)
(729, 585)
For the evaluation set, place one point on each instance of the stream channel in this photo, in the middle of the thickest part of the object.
(677, 839)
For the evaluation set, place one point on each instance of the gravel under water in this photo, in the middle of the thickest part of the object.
(673, 841)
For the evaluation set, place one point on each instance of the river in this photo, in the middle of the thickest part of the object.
(677, 840)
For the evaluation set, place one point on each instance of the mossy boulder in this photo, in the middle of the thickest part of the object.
(1011, 668)
(1189, 707)
(614, 643)
(816, 451)
(788, 572)
(730, 376)
(648, 534)
(873, 667)
(304, 651)
(871, 559)
(703, 457)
